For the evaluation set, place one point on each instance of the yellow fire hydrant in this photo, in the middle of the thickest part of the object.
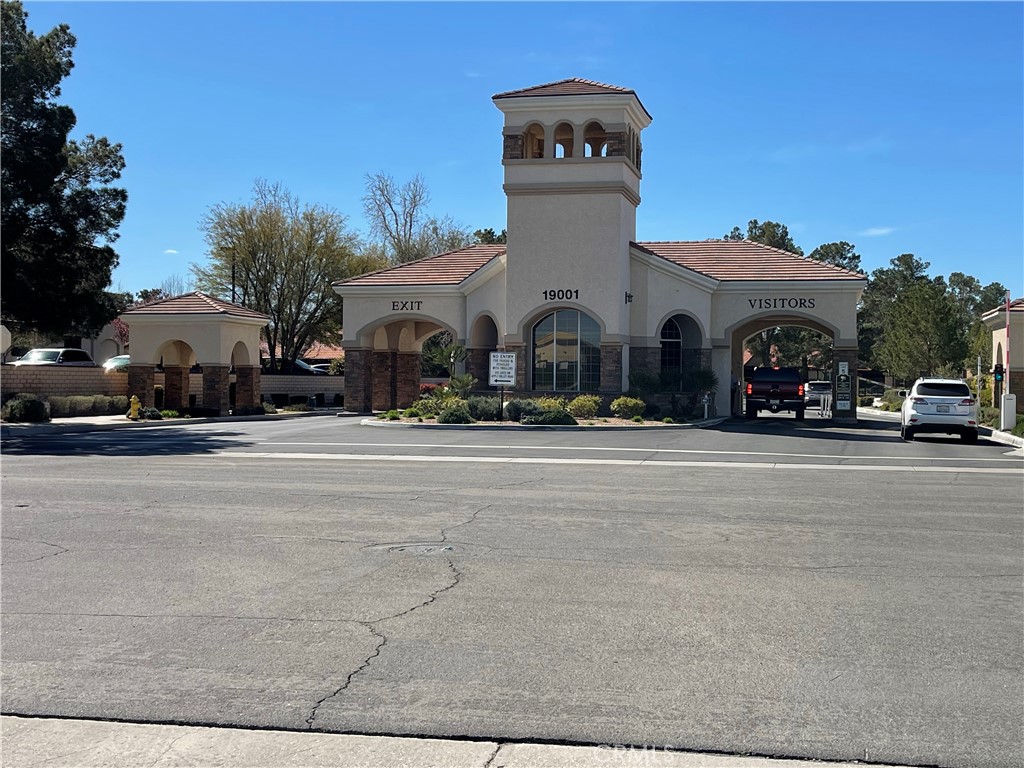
(133, 413)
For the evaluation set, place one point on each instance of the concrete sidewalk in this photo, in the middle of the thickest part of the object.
(36, 742)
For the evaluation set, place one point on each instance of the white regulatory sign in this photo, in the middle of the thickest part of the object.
(502, 370)
(844, 368)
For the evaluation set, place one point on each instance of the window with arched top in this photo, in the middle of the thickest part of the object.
(680, 346)
(564, 134)
(533, 141)
(595, 139)
(566, 352)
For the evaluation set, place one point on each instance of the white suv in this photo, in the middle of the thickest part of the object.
(56, 356)
(939, 405)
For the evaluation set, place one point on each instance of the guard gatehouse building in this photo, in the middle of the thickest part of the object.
(572, 293)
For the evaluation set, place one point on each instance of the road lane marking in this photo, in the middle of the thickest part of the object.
(774, 454)
(604, 462)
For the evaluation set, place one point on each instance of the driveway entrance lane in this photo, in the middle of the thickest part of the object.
(700, 609)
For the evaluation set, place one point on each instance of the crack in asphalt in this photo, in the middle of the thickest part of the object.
(34, 559)
(167, 749)
(472, 519)
(371, 626)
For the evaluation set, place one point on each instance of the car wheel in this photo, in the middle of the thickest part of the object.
(751, 412)
(970, 437)
(907, 433)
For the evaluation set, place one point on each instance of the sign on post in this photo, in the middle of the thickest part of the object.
(502, 369)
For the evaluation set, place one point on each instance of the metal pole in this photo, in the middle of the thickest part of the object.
(1006, 375)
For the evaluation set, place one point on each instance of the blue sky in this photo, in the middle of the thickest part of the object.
(898, 127)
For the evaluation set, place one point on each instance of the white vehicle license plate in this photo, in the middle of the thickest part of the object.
(942, 408)
(773, 402)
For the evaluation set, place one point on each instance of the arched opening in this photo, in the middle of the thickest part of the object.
(533, 141)
(595, 140)
(563, 140)
(566, 352)
(483, 339)
(177, 358)
(681, 350)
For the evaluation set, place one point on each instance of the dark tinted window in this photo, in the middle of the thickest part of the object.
(75, 356)
(777, 374)
(937, 389)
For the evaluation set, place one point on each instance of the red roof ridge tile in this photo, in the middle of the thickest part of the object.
(564, 81)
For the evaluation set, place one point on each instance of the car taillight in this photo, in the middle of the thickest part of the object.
(967, 401)
(750, 388)
(918, 400)
(800, 390)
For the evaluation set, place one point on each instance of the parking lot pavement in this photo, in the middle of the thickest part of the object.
(54, 743)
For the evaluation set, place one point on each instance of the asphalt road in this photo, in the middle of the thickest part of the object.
(773, 588)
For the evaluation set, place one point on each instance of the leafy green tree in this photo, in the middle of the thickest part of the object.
(60, 213)
(886, 285)
(280, 257)
(769, 233)
(489, 237)
(841, 254)
(398, 218)
(924, 334)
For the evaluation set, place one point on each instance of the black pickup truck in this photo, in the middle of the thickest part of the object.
(775, 389)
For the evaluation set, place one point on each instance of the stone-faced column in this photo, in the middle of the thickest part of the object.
(358, 381)
(478, 363)
(176, 386)
(844, 407)
(522, 382)
(611, 368)
(408, 378)
(140, 383)
(215, 388)
(247, 386)
(646, 359)
(385, 384)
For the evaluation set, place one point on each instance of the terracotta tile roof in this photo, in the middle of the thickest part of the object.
(195, 303)
(571, 86)
(444, 269)
(1016, 305)
(745, 260)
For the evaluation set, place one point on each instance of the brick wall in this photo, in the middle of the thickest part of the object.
(55, 381)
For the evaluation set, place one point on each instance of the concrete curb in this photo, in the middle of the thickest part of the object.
(515, 426)
(106, 423)
(35, 742)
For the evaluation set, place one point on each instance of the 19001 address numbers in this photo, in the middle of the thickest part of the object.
(562, 294)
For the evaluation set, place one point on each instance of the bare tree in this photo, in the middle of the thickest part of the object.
(398, 217)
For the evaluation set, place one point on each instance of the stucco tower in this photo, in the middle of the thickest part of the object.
(571, 153)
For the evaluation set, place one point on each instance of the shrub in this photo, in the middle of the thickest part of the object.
(411, 413)
(391, 415)
(337, 366)
(890, 397)
(59, 406)
(426, 390)
(25, 409)
(638, 419)
(627, 407)
(118, 404)
(149, 412)
(269, 408)
(517, 409)
(455, 412)
(865, 401)
(80, 405)
(584, 406)
(551, 403)
(171, 414)
(483, 408)
(297, 407)
(668, 420)
(988, 416)
(550, 417)
(1018, 428)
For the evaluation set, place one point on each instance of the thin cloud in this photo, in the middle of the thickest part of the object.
(877, 231)
(472, 74)
(170, 251)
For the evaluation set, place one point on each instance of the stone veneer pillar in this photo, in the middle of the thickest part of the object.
(383, 365)
(140, 383)
(215, 388)
(478, 363)
(247, 386)
(358, 381)
(522, 382)
(611, 368)
(408, 375)
(647, 359)
(176, 387)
